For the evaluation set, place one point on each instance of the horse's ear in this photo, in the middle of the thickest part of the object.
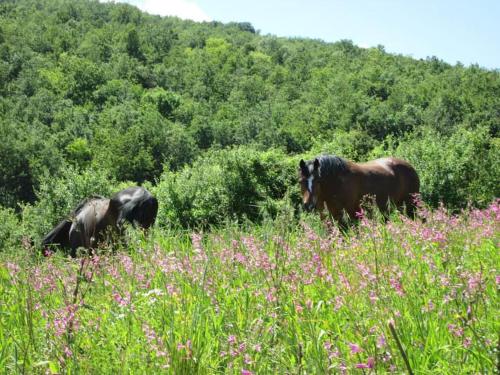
(316, 164)
(302, 164)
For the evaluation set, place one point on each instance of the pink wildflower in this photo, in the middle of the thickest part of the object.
(370, 362)
(13, 269)
(467, 342)
(339, 302)
(240, 258)
(171, 290)
(345, 281)
(381, 342)
(309, 304)
(456, 331)
(65, 319)
(67, 352)
(270, 297)
(373, 296)
(361, 365)
(327, 345)
(247, 359)
(47, 253)
(231, 339)
(355, 348)
(396, 284)
(127, 264)
(474, 283)
(122, 301)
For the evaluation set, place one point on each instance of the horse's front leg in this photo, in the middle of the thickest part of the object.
(335, 212)
(321, 207)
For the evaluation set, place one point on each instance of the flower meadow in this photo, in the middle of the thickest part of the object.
(389, 296)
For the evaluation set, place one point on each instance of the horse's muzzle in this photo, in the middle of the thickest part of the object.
(309, 206)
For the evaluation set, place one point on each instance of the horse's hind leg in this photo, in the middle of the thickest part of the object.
(408, 208)
(76, 239)
(75, 243)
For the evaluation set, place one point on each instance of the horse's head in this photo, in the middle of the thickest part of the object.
(309, 178)
(146, 214)
(135, 205)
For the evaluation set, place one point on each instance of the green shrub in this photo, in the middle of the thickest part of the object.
(10, 230)
(57, 197)
(225, 185)
(145, 142)
(462, 168)
(354, 145)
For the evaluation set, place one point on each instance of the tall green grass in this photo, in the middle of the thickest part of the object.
(284, 297)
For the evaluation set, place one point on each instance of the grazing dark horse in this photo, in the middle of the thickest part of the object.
(96, 216)
(86, 227)
(340, 185)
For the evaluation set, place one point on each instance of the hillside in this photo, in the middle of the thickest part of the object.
(106, 90)
(234, 278)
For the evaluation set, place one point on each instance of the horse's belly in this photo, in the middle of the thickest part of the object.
(383, 187)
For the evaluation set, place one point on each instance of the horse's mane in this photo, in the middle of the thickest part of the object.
(331, 165)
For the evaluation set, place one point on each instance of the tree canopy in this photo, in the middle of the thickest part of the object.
(106, 87)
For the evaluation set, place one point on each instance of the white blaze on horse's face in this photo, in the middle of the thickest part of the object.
(308, 172)
(311, 198)
(310, 184)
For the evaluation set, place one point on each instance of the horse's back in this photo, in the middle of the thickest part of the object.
(90, 221)
(390, 166)
(389, 178)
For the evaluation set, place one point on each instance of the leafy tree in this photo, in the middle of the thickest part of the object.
(16, 181)
(104, 85)
(133, 45)
(459, 169)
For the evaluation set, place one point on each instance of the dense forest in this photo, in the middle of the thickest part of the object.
(214, 117)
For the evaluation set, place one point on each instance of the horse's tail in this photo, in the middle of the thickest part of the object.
(59, 235)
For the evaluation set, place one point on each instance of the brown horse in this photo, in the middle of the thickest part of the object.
(340, 185)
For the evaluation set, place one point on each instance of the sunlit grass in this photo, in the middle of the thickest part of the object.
(280, 298)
